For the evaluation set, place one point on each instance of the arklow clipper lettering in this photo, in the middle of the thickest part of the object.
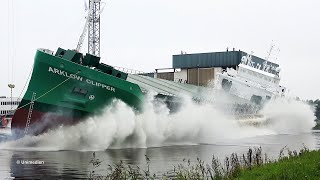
(79, 78)
(64, 73)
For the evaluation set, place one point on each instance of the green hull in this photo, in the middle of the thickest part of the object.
(71, 87)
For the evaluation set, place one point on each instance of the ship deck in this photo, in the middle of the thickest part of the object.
(165, 87)
(171, 88)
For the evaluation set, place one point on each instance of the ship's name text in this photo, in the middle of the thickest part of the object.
(79, 78)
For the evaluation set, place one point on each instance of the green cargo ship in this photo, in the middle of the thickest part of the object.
(66, 87)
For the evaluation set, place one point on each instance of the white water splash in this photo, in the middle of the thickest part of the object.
(120, 127)
(289, 116)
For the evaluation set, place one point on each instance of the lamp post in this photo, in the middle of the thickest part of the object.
(11, 86)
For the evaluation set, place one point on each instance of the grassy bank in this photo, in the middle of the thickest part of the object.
(303, 164)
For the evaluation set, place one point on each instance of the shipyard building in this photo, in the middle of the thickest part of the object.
(201, 68)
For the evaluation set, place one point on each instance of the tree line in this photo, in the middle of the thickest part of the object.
(316, 105)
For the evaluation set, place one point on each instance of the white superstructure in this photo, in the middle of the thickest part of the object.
(7, 109)
(251, 81)
(7, 105)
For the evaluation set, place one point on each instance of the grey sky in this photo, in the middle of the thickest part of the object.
(144, 34)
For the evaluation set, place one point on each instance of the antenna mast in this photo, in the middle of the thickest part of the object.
(94, 28)
(269, 52)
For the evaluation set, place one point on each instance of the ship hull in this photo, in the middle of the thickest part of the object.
(42, 120)
(62, 92)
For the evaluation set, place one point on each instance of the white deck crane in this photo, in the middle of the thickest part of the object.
(92, 25)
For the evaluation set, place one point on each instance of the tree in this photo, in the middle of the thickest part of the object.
(317, 108)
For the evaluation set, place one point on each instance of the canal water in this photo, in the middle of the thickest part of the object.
(166, 139)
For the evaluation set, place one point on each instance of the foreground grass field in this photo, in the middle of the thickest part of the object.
(303, 164)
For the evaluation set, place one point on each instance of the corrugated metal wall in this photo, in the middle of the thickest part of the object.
(207, 60)
(215, 59)
(166, 75)
(204, 74)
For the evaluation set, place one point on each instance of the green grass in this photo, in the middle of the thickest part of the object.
(304, 166)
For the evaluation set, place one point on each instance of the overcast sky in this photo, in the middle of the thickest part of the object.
(144, 34)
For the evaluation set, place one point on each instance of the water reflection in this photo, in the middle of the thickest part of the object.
(75, 164)
(56, 165)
